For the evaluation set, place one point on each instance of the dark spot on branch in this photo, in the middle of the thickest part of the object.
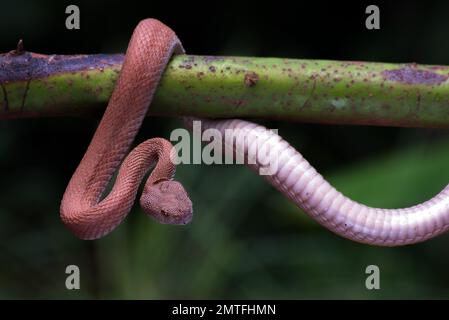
(251, 79)
(312, 92)
(418, 102)
(211, 59)
(5, 98)
(22, 107)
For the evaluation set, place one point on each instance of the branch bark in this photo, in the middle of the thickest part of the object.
(338, 92)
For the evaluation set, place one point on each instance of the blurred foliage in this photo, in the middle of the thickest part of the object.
(246, 240)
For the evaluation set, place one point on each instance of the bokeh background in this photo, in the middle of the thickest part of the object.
(246, 240)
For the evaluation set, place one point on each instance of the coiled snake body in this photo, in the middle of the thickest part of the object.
(149, 51)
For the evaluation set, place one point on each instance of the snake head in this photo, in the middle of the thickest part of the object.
(167, 202)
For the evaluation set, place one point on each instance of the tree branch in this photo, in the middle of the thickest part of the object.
(365, 93)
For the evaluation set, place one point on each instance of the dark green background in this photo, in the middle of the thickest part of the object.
(245, 241)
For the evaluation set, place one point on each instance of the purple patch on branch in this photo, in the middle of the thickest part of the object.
(25, 66)
(409, 75)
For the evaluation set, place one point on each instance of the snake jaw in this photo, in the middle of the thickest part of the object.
(167, 202)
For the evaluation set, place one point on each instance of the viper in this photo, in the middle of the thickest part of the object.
(89, 214)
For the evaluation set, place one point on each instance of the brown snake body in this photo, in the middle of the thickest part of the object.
(82, 209)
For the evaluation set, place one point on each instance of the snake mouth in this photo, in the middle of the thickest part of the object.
(165, 217)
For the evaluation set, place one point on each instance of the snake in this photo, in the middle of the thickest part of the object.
(84, 208)
(90, 215)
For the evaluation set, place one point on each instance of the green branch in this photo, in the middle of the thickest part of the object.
(300, 90)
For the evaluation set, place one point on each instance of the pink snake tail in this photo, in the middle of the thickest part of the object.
(149, 51)
(294, 177)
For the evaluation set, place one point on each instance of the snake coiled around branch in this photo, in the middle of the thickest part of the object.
(89, 216)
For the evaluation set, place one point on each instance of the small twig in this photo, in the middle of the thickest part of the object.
(19, 49)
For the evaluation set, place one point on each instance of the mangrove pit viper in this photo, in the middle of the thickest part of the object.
(89, 216)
